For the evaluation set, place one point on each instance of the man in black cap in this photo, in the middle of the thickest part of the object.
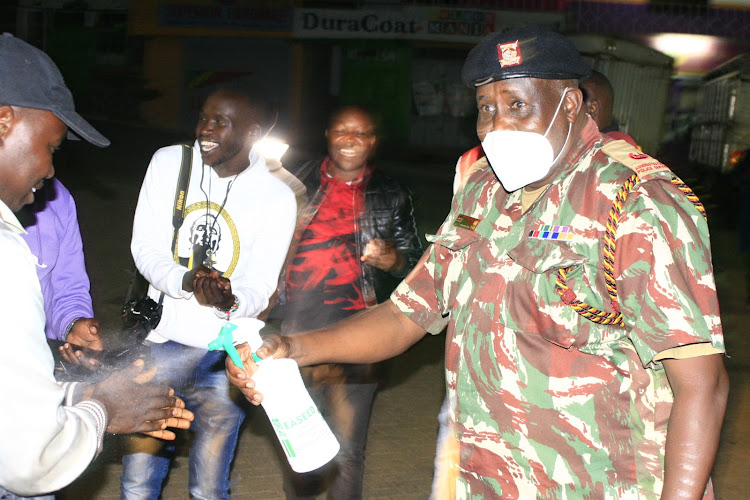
(50, 432)
(584, 355)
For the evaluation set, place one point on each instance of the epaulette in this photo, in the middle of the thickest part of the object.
(635, 159)
(477, 165)
(467, 161)
(644, 167)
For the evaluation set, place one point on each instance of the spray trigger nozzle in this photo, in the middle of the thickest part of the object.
(226, 340)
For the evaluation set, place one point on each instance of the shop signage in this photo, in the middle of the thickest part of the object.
(223, 17)
(409, 23)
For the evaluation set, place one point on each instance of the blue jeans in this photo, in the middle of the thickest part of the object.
(197, 376)
(7, 495)
(346, 408)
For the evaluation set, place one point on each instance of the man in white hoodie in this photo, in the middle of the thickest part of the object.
(50, 432)
(238, 222)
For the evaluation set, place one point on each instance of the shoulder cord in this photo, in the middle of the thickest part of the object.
(568, 296)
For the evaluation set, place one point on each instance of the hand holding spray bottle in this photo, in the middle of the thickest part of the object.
(303, 433)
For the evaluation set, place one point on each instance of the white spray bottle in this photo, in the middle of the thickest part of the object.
(303, 433)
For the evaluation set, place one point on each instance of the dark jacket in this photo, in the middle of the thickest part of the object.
(388, 214)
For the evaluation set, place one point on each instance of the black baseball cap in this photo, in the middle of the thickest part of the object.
(29, 79)
(526, 52)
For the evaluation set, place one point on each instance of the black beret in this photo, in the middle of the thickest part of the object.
(526, 52)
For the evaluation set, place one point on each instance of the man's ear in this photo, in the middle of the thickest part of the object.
(572, 104)
(7, 120)
(593, 107)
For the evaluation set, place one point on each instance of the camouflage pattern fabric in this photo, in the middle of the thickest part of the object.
(547, 403)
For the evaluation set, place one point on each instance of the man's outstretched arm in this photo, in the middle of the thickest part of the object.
(372, 335)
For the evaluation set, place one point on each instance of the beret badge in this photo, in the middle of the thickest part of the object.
(509, 54)
(523, 52)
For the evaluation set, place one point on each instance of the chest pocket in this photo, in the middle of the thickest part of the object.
(543, 256)
(532, 303)
(455, 239)
(454, 268)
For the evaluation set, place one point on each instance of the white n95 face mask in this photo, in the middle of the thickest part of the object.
(520, 158)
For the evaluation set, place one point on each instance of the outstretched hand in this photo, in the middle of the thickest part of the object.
(274, 346)
(85, 333)
(80, 357)
(135, 405)
(180, 421)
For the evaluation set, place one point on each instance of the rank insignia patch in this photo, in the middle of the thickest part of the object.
(466, 222)
(550, 232)
(509, 54)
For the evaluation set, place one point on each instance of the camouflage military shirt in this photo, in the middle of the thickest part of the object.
(547, 403)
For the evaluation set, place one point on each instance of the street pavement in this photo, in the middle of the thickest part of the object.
(403, 426)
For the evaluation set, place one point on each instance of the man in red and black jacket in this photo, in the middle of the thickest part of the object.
(354, 242)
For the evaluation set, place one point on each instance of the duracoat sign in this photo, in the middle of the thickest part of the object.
(416, 23)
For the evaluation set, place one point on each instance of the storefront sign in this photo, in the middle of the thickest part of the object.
(223, 17)
(409, 23)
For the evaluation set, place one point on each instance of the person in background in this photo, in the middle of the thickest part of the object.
(54, 238)
(238, 223)
(445, 448)
(355, 239)
(50, 432)
(583, 358)
(598, 100)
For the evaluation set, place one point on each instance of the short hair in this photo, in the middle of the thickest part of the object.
(340, 110)
(600, 85)
(259, 99)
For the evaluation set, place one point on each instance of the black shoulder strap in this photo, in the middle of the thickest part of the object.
(178, 212)
(180, 195)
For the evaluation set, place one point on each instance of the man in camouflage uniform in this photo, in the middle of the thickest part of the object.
(572, 375)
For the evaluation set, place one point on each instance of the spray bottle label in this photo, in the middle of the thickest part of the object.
(288, 425)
